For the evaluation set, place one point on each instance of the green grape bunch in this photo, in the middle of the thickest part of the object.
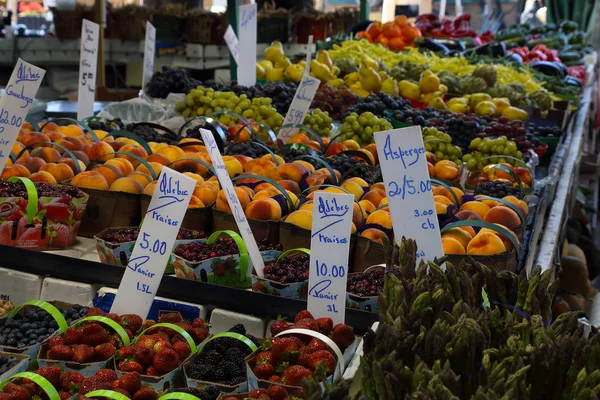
(440, 144)
(485, 151)
(319, 121)
(361, 128)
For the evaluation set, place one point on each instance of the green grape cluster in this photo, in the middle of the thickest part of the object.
(319, 121)
(485, 151)
(205, 101)
(361, 128)
(440, 144)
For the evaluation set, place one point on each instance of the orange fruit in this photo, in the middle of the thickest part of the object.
(390, 30)
(374, 29)
(401, 20)
(410, 33)
(381, 39)
(361, 35)
(397, 44)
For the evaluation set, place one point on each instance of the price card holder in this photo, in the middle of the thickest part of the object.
(309, 50)
(329, 247)
(149, 52)
(233, 201)
(233, 43)
(20, 91)
(246, 70)
(88, 61)
(408, 189)
(299, 107)
(154, 244)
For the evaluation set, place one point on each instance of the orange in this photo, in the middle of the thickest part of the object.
(362, 35)
(401, 20)
(390, 30)
(374, 29)
(397, 43)
(410, 33)
(381, 39)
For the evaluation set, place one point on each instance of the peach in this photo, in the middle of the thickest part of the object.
(466, 215)
(98, 151)
(156, 168)
(121, 163)
(372, 148)
(158, 158)
(351, 144)
(378, 186)
(313, 181)
(261, 167)
(487, 200)
(336, 189)
(264, 210)
(265, 193)
(384, 202)
(206, 192)
(18, 148)
(360, 181)
(116, 145)
(214, 181)
(452, 246)
(70, 143)
(82, 157)
(60, 171)
(469, 230)
(443, 191)
(308, 206)
(300, 218)
(519, 203)
(90, 180)
(195, 177)
(381, 218)
(440, 208)
(33, 164)
(110, 172)
(15, 170)
(223, 205)
(353, 188)
(269, 157)
(149, 189)
(261, 186)
(504, 216)
(47, 154)
(306, 165)
(442, 200)
(127, 185)
(241, 158)
(248, 190)
(293, 172)
(172, 153)
(9, 162)
(477, 207)
(36, 139)
(140, 177)
(446, 170)
(374, 234)
(133, 149)
(325, 172)
(69, 130)
(485, 244)
(462, 236)
(187, 164)
(290, 186)
(359, 215)
(367, 206)
(55, 136)
(374, 197)
(431, 170)
(196, 203)
(524, 175)
(507, 243)
(103, 135)
(69, 161)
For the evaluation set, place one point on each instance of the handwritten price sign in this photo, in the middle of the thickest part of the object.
(88, 61)
(329, 247)
(408, 188)
(246, 70)
(18, 97)
(299, 107)
(233, 43)
(149, 51)
(154, 243)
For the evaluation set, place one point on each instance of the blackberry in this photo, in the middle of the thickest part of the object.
(349, 167)
(233, 354)
(191, 390)
(231, 369)
(219, 375)
(210, 357)
(498, 189)
(210, 393)
(238, 328)
(170, 80)
(149, 134)
(249, 149)
(199, 371)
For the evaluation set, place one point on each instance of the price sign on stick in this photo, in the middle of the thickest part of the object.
(246, 69)
(329, 247)
(14, 104)
(309, 47)
(154, 243)
(233, 201)
(408, 189)
(88, 61)
(299, 107)
(233, 43)
(149, 52)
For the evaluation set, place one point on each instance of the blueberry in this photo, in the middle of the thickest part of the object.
(35, 325)
(11, 341)
(51, 330)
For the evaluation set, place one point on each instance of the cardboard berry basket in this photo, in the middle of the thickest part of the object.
(39, 380)
(294, 290)
(367, 253)
(201, 385)
(357, 302)
(86, 369)
(166, 381)
(231, 270)
(105, 394)
(33, 350)
(255, 383)
(118, 253)
(40, 223)
(20, 366)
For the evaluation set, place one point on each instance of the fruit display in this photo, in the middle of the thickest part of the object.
(396, 35)
(6, 307)
(169, 80)
(361, 128)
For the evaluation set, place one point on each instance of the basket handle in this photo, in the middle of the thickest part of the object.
(107, 321)
(49, 308)
(38, 380)
(32, 196)
(174, 327)
(110, 394)
(290, 251)
(234, 335)
(483, 224)
(241, 247)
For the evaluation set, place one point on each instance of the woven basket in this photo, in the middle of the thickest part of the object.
(67, 23)
(131, 22)
(205, 28)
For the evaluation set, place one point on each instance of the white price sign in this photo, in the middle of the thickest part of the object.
(408, 188)
(246, 70)
(20, 91)
(154, 243)
(233, 43)
(329, 247)
(299, 107)
(149, 52)
(88, 62)
(233, 201)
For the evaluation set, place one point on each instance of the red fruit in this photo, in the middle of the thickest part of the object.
(131, 366)
(147, 341)
(70, 381)
(199, 334)
(52, 374)
(131, 382)
(16, 392)
(277, 392)
(107, 375)
(257, 392)
(161, 345)
(59, 235)
(316, 345)
(264, 357)
(82, 353)
(279, 326)
(64, 395)
(123, 392)
(91, 384)
(275, 379)
(145, 393)
(55, 341)
(104, 351)
(32, 388)
(176, 339)
(57, 211)
(293, 375)
(148, 323)
(304, 359)
(95, 311)
(230, 398)
(186, 326)
(130, 334)
(303, 314)
(161, 336)
(132, 321)
(198, 323)
(306, 323)
(151, 371)
(342, 335)
(322, 357)
(325, 325)
(60, 352)
(183, 349)
(142, 354)
(263, 371)
(73, 336)
(94, 334)
(114, 317)
(126, 352)
(166, 361)
(171, 318)
(284, 348)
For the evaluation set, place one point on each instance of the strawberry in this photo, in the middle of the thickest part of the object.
(161, 345)
(316, 345)
(151, 371)
(263, 371)
(130, 334)
(199, 334)
(183, 349)
(279, 326)
(304, 359)
(55, 341)
(342, 335)
(303, 314)
(32, 388)
(57, 211)
(275, 379)
(94, 334)
(198, 323)
(306, 323)
(52, 374)
(73, 335)
(142, 354)
(131, 366)
(123, 392)
(91, 384)
(177, 339)
(171, 318)
(104, 351)
(160, 336)
(60, 352)
(277, 392)
(131, 382)
(95, 311)
(145, 393)
(82, 353)
(70, 381)
(59, 235)
(293, 375)
(284, 348)
(147, 341)
(256, 392)
(64, 395)
(107, 375)
(16, 392)
(125, 352)
(264, 357)
(325, 325)
(230, 398)
(148, 323)
(186, 326)
(165, 361)
(114, 317)
(132, 321)
(322, 357)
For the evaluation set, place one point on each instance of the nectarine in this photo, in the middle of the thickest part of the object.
(485, 244)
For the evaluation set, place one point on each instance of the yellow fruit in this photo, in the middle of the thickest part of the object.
(458, 100)
(266, 64)
(294, 72)
(477, 98)
(501, 103)
(274, 52)
(513, 113)
(283, 62)
(369, 78)
(438, 103)
(390, 86)
(429, 82)
(336, 83)
(260, 72)
(458, 108)
(274, 74)
(351, 78)
(485, 108)
(323, 58)
(409, 90)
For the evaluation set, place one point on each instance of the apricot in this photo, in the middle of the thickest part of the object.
(443, 191)
(158, 158)
(248, 190)
(487, 200)
(33, 164)
(127, 185)
(485, 244)
(477, 207)
(466, 215)
(440, 208)
(462, 236)
(47, 154)
(121, 163)
(374, 234)
(305, 164)
(18, 148)
(214, 181)
(149, 188)
(504, 216)
(446, 170)
(69, 161)
(519, 203)
(90, 180)
(98, 151)
(49, 127)
(223, 205)
(300, 218)
(135, 150)
(110, 172)
(290, 186)
(381, 218)
(196, 203)
(70, 143)
(195, 177)
(264, 210)
(189, 165)
(55, 136)
(452, 246)
(60, 171)
(70, 130)
(262, 167)
(507, 243)
(269, 157)
(261, 186)
(359, 215)
(172, 153)
(15, 170)
(156, 168)
(325, 172)
(103, 135)
(293, 172)
(374, 197)
(367, 206)
(469, 230)
(116, 145)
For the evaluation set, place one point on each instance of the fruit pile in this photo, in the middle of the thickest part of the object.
(440, 144)
(366, 284)
(150, 134)
(288, 269)
(222, 247)
(274, 392)
(7, 362)
(334, 100)
(491, 150)
(27, 328)
(169, 80)
(396, 35)
(129, 384)
(130, 234)
(498, 189)
(361, 128)
(319, 121)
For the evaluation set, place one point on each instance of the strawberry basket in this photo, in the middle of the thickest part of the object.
(360, 301)
(47, 387)
(295, 290)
